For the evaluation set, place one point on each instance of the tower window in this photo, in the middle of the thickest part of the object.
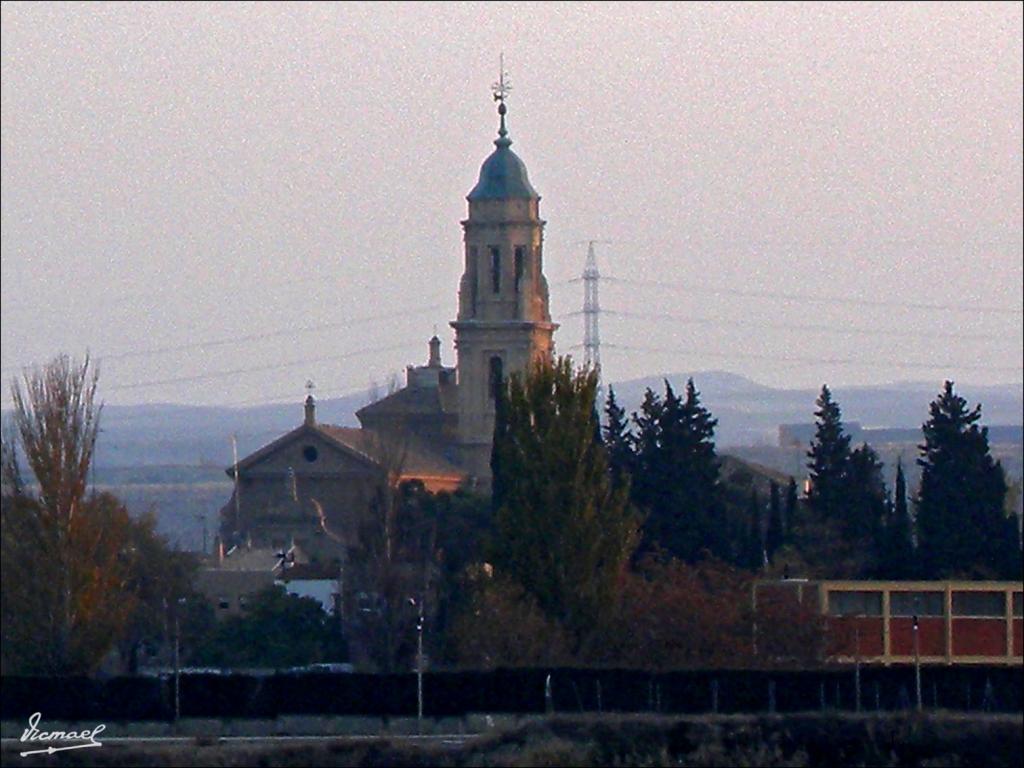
(520, 265)
(495, 269)
(472, 280)
(496, 376)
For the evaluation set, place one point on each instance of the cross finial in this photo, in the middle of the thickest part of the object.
(310, 386)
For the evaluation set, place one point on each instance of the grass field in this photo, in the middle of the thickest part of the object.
(933, 739)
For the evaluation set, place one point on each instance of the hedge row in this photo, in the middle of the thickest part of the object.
(448, 694)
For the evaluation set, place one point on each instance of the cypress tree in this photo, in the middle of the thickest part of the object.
(864, 509)
(755, 556)
(789, 519)
(618, 441)
(677, 475)
(900, 497)
(775, 537)
(647, 480)
(961, 525)
(896, 555)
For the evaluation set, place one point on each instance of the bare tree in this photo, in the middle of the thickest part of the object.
(10, 471)
(57, 422)
(393, 553)
(66, 544)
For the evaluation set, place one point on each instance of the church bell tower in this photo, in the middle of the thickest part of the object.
(504, 322)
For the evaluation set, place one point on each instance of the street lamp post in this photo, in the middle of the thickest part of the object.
(419, 663)
(917, 665)
(856, 669)
(177, 661)
(177, 670)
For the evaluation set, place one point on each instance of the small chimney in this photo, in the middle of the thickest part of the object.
(310, 411)
(434, 361)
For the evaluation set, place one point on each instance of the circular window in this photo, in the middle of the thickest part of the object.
(309, 453)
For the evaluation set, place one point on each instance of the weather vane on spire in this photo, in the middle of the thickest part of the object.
(503, 85)
(501, 90)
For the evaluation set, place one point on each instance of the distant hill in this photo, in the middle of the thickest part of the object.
(171, 458)
(200, 436)
(196, 440)
(749, 413)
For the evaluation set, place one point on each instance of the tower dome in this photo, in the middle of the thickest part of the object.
(503, 175)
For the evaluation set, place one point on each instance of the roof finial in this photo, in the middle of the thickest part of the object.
(501, 89)
(310, 404)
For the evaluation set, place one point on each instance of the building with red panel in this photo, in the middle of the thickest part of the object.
(896, 622)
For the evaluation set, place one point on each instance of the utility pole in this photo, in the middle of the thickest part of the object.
(591, 310)
(238, 484)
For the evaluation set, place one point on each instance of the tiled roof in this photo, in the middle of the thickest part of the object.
(416, 458)
(413, 400)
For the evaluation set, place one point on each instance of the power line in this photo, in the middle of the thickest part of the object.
(132, 297)
(815, 298)
(898, 364)
(847, 330)
(259, 368)
(226, 340)
(270, 334)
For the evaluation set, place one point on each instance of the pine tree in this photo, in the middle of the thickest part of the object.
(961, 525)
(699, 427)
(846, 498)
(829, 459)
(562, 531)
(618, 441)
(775, 537)
(863, 512)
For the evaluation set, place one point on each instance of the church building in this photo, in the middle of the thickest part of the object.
(310, 488)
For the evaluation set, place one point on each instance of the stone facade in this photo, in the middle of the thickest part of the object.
(313, 486)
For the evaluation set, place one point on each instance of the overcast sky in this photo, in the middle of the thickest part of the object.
(223, 201)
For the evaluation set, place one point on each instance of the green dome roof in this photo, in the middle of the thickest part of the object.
(503, 175)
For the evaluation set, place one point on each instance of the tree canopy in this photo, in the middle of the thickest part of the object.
(100, 579)
(961, 525)
(677, 476)
(278, 630)
(563, 531)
